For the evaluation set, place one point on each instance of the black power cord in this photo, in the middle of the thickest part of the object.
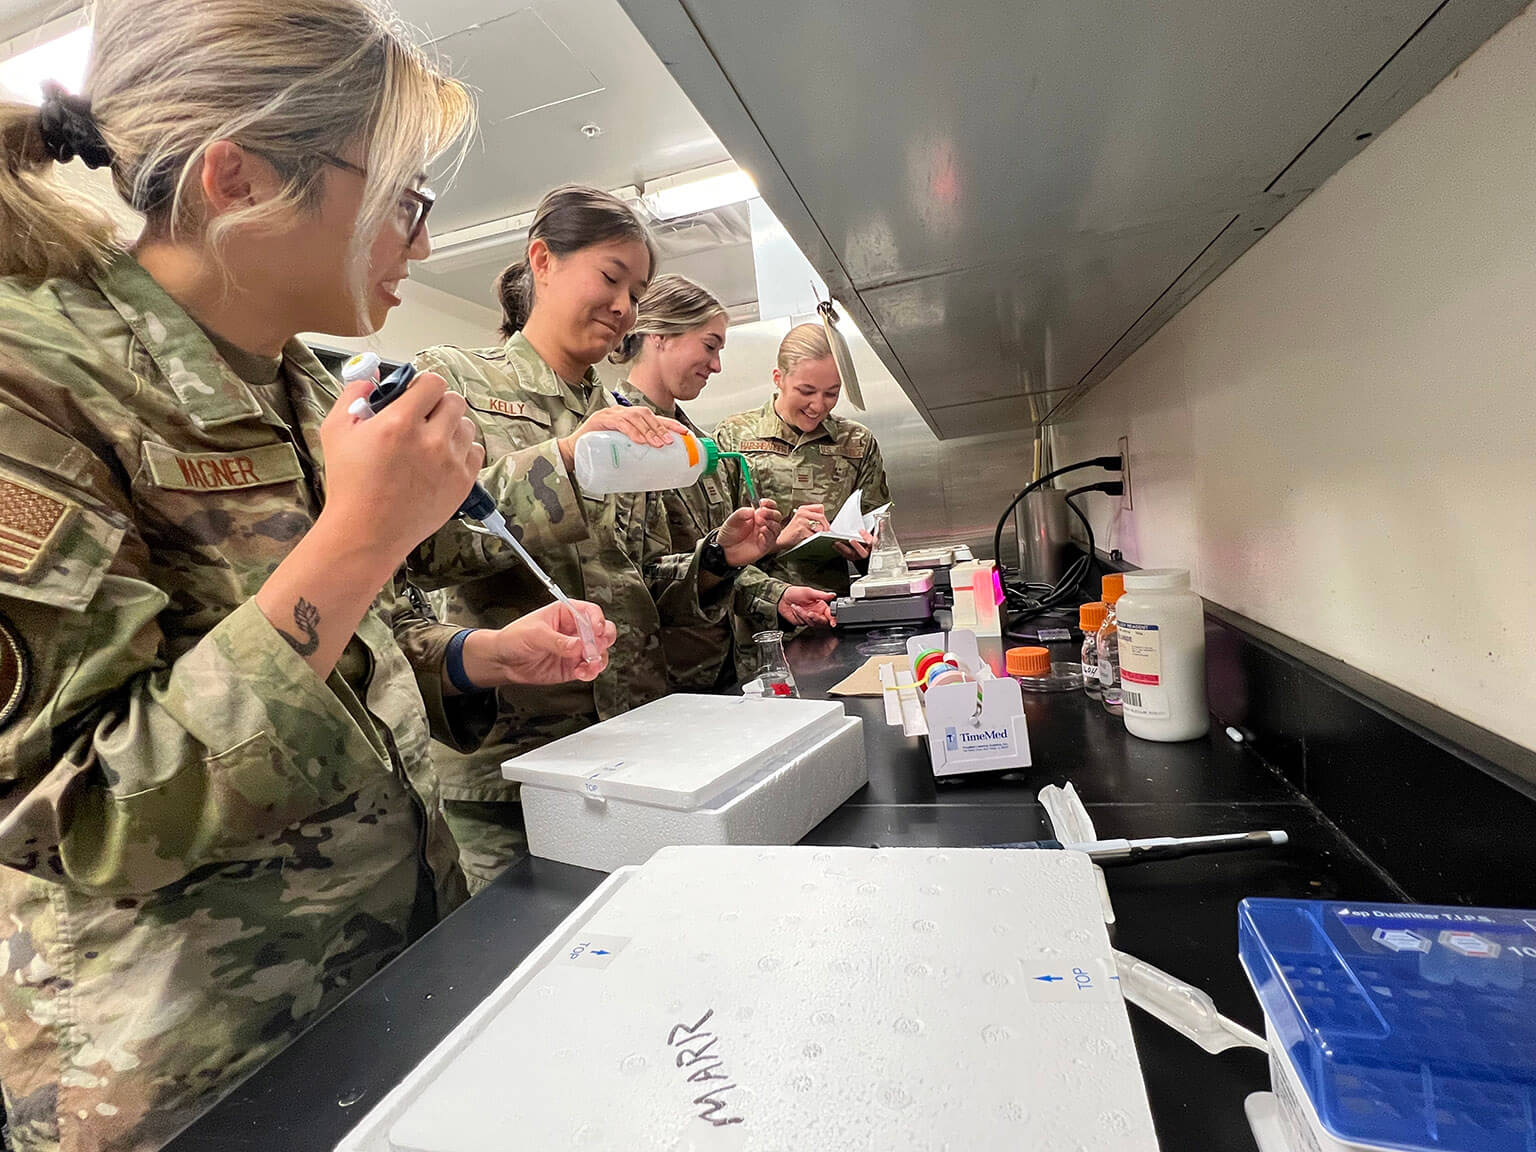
(1108, 463)
(1031, 601)
(1063, 595)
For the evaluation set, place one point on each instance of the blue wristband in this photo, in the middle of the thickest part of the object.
(453, 662)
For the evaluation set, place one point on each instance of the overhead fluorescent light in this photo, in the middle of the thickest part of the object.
(702, 190)
(48, 57)
(469, 245)
(668, 198)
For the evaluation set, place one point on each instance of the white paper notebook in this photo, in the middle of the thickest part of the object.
(848, 524)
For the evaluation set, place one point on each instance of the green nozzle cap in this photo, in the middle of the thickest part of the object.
(713, 456)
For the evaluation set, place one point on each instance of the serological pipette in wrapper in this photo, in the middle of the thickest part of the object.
(478, 505)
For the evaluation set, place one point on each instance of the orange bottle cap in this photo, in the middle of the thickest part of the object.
(1091, 616)
(1114, 587)
(1029, 661)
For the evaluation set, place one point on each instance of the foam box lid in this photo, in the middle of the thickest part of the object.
(752, 999)
(1409, 1026)
(680, 751)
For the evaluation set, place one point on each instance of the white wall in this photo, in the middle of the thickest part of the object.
(426, 316)
(1339, 435)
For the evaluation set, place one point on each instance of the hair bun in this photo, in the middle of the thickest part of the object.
(68, 129)
(514, 289)
(628, 349)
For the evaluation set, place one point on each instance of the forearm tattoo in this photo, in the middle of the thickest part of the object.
(307, 617)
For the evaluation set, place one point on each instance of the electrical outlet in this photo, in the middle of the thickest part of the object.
(1125, 473)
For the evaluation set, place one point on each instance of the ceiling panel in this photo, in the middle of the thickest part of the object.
(18, 16)
(518, 66)
(434, 19)
(576, 62)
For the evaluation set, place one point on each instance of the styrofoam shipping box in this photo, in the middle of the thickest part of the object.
(689, 769)
(757, 999)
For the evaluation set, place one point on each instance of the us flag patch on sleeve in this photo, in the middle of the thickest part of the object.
(29, 521)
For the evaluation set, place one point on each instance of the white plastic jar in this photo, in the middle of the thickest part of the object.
(1162, 656)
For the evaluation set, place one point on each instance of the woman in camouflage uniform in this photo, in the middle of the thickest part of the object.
(805, 458)
(672, 351)
(565, 306)
(217, 809)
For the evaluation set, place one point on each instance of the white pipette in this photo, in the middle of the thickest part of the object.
(478, 505)
(1186, 1009)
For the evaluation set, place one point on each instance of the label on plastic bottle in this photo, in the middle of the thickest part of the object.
(1142, 692)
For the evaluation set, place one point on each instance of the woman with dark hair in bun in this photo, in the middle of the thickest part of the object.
(565, 306)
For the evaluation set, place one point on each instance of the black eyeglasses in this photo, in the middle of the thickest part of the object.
(414, 205)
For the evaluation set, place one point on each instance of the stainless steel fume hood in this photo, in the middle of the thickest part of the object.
(1009, 198)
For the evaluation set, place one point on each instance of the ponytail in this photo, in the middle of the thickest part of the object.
(514, 291)
(48, 230)
(628, 348)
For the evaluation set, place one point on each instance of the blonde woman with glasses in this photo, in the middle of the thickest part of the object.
(218, 815)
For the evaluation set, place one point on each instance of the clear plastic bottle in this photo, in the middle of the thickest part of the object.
(773, 671)
(1089, 619)
(1162, 656)
(611, 462)
(1108, 644)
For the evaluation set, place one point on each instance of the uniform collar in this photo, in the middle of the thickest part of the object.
(627, 393)
(775, 425)
(298, 356)
(631, 397)
(209, 390)
(536, 375)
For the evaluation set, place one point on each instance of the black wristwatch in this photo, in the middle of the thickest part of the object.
(712, 558)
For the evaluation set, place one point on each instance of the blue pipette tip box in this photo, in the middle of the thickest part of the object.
(1407, 1026)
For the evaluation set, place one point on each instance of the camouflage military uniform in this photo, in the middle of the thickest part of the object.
(625, 566)
(207, 845)
(793, 468)
(699, 657)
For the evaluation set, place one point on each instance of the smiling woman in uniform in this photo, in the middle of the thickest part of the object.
(565, 306)
(805, 458)
(218, 814)
(672, 351)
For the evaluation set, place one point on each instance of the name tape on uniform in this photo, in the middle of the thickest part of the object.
(516, 408)
(847, 451)
(773, 446)
(250, 468)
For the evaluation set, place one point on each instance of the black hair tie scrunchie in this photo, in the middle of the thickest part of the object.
(69, 130)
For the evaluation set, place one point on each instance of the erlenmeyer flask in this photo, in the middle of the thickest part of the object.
(772, 666)
(885, 556)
